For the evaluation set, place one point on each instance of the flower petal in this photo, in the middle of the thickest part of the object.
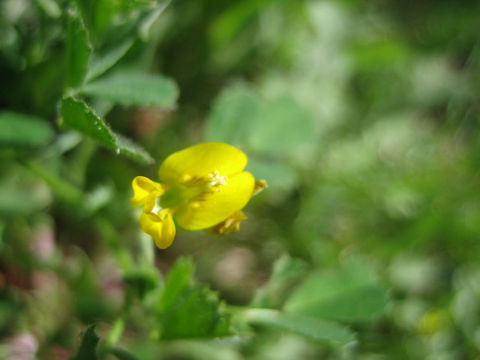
(213, 208)
(144, 189)
(160, 227)
(200, 160)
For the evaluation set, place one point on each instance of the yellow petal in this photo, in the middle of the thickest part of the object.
(160, 227)
(144, 190)
(200, 160)
(214, 207)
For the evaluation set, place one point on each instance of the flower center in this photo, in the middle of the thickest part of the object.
(190, 189)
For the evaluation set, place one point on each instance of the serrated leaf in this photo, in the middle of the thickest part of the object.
(311, 328)
(135, 89)
(78, 51)
(22, 129)
(79, 116)
(349, 294)
(179, 278)
(195, 314)
(103, 61)
(188, 310)
(88, 346)
(129, 148)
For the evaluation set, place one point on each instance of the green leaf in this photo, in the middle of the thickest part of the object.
(278, 127)
(188, 310)
(285, 275)
(21, 129)
(233, 115)
(196, 314)
(103, 61)
(79, 116)
(178, 280)
(135, 89)
(311, 328)
(132, 150)
(349, 294)
(146, 25)
(78, 51)
(284, 126)
(88, 346)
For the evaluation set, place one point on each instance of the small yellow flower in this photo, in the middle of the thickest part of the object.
(203, 187)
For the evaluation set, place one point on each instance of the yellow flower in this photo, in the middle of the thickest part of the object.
(203, 187)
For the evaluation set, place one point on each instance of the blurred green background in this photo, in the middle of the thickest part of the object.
(363, 116)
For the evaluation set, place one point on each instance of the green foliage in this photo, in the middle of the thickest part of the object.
(121, 88)
(278, 126)
(233, 115)
(309, 327)
(100, 63)
(24, 130)
(361, 116)
(286, 274)
(79, 116)
(188, 310)
(347, 295)
(88, 345)
(309, 300)
(78, 51)
(134, 89)
(273, 131)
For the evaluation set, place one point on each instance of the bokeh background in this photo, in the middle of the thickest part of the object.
(363, 116)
